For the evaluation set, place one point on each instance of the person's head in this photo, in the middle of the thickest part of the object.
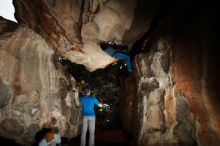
(49, 136)
(88, 86)
(86, 91)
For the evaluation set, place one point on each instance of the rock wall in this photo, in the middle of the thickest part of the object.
(146, 117)
(170, 103)
(176, 83)
(33, 93)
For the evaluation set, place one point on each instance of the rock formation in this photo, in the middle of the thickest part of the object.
(171, 98)
(76, 28)
(33, 93)
(175, 98)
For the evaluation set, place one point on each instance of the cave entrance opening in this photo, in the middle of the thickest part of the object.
(106, 87)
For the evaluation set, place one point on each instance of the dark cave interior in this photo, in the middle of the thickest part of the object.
(105, 86)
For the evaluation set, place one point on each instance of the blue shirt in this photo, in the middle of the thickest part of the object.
(88, 103)
(122, 54)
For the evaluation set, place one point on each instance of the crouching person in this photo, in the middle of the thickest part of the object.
(51, 138)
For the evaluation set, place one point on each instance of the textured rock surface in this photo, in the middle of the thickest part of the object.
(151, 97)
(32, 93)
(76, 27)
(158, 116)
(187, 113)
